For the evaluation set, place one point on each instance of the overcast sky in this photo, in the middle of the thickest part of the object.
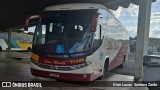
(129, 17)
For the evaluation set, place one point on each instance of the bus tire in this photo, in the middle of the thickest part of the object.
(0, 48)
(105, 70)
(29, 49)
(123, 64)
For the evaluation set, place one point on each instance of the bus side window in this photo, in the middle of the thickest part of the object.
(41, 34)
(100, 30)
(97, 37)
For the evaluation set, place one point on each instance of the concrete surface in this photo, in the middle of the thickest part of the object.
(19, 70)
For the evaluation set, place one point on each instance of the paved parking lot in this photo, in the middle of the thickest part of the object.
(12, 69)
(19, 69)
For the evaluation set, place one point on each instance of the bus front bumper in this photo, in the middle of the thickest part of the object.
(64, 76)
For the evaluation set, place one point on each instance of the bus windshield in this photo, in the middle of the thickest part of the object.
(64, 32)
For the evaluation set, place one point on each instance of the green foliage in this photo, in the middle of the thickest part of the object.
(18, 31)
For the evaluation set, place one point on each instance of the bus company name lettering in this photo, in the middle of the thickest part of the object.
(75, 61)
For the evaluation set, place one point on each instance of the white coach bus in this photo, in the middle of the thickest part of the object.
(19, 42)
(77, 42)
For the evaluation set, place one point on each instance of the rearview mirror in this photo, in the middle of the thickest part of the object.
(39, 17)
(94, 22)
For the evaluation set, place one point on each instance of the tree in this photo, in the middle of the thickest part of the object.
(18, 31)
(30, 33)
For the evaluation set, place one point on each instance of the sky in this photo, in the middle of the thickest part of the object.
(129, 18)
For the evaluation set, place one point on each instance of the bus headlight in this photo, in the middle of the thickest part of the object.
(78, 66)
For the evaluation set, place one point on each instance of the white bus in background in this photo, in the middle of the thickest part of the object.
(77, 42)
(3, 45)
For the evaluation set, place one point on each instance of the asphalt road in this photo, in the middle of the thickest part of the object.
(12, 69)
(127, 70)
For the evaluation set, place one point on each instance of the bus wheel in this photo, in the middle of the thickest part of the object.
(122, 65)
(28, 49)
(0, 48)
(105, 70)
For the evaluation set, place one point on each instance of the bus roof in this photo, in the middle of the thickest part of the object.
(74, 6)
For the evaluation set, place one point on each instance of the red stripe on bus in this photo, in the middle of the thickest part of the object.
(62, 62)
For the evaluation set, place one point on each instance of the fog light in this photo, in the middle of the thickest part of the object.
(84, 75)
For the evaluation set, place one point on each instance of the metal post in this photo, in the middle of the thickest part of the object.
(142, 36)
(9, 40)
